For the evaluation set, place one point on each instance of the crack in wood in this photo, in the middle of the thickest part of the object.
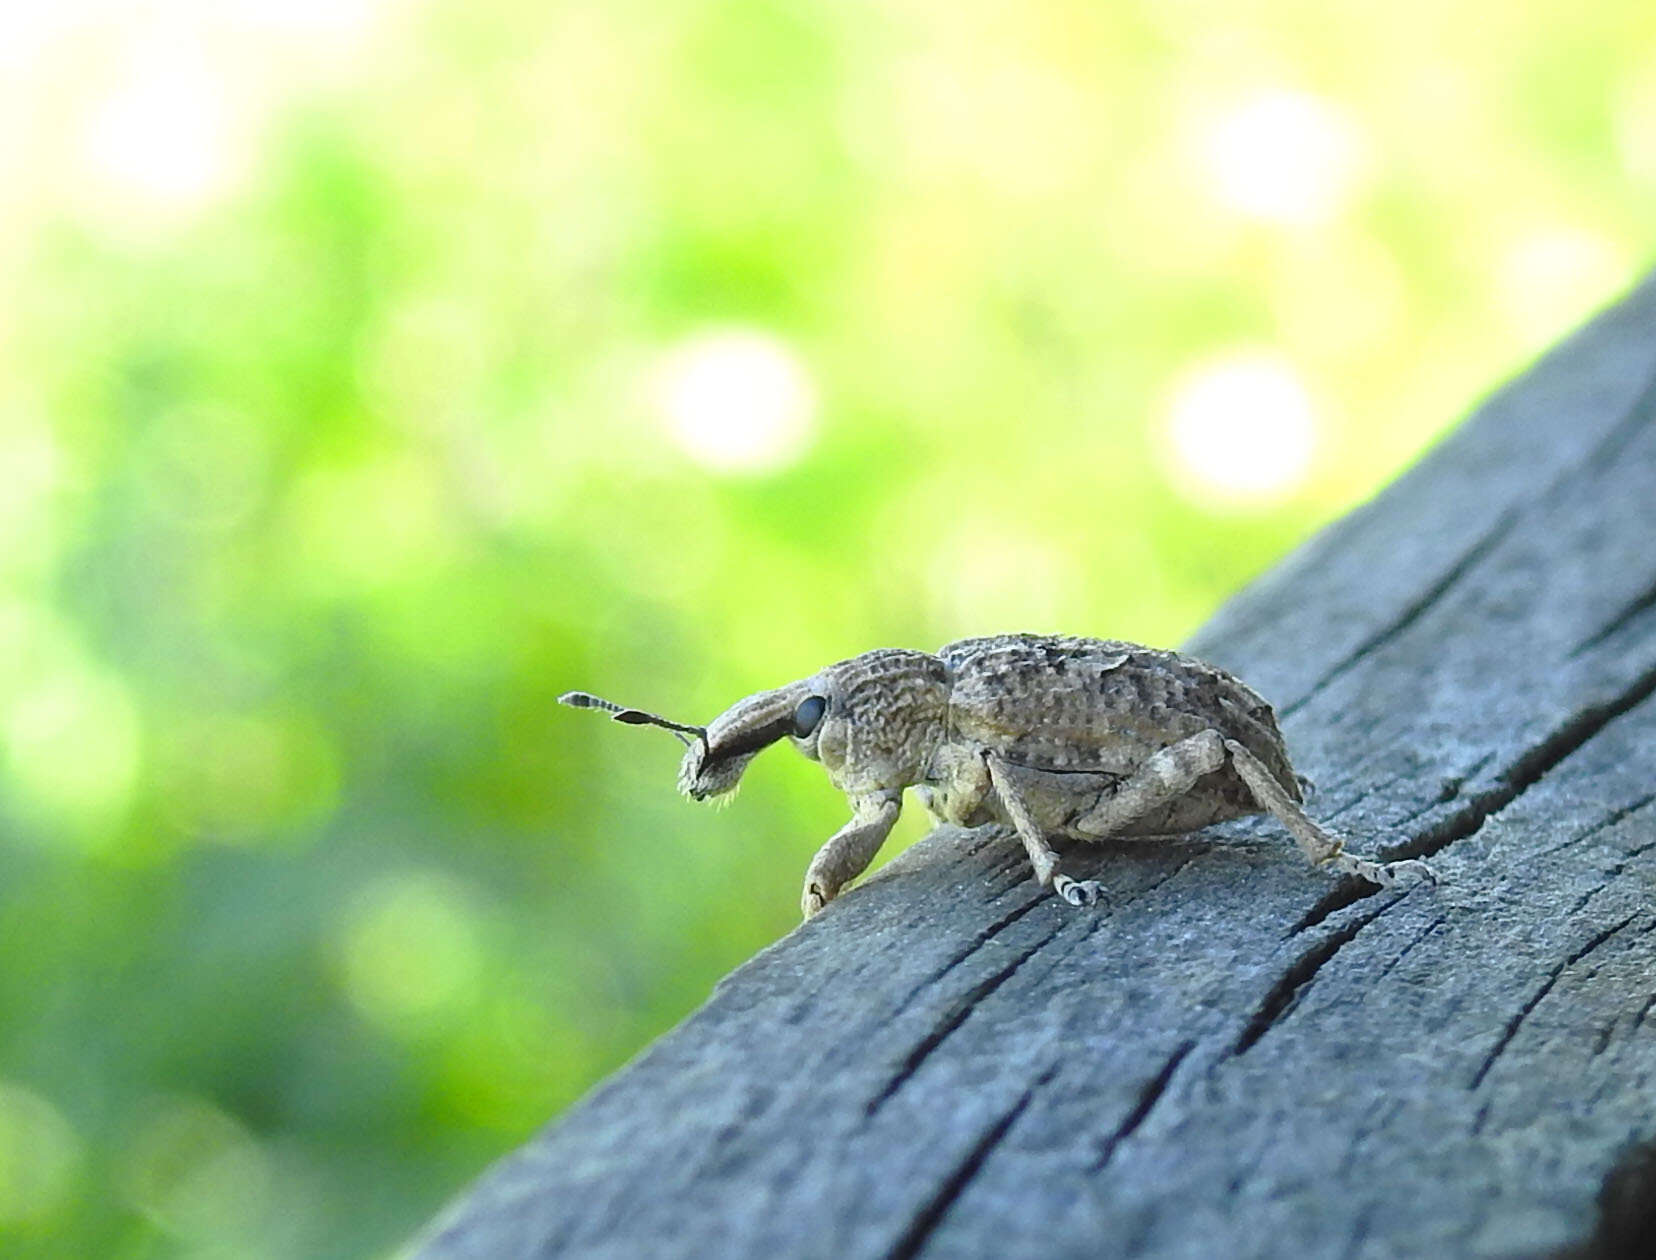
(1403, 953)
(1139, 894)
(1644, 603)
(1615, 871)
(1359, 1231)
(1526, 771)
(1168, 878)
(1283, 996)
(1016, 856)
(962, 1008)
(1602, 1040)
(954, 1017)
(1516, 1022)
(1447, 792)
(931, 1213)
(1380, 1113)
(1608, 821)
(1347, 891)
(1373, 787)
(1617, 438)
(1149, 1095)
(1580, 903)
(1414, 611)
(1644, 1012)
(978, 941)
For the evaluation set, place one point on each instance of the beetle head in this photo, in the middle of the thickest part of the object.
(872, 721)
(884, 716)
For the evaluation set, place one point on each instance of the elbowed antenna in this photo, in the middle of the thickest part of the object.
(633, 717)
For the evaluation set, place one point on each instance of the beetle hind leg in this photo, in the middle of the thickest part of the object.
(1322, 848)
(1164, 777)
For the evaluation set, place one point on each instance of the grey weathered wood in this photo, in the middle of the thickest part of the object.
(1234, 1056)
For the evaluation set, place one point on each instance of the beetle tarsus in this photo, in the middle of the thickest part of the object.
(1413, 867)
(1078, 892)
(1385, 874)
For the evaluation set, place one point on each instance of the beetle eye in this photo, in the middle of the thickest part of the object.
(807, 715)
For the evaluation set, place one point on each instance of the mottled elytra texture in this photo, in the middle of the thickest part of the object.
(1102, 705)
(1233, 1054)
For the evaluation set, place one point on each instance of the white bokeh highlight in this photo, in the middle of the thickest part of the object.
(139, 116)
(1239, 430)
(1549, 278)
(736, 400)
(1281, 156)
(163, 136)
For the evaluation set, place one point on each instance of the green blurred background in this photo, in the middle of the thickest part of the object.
(371, 373)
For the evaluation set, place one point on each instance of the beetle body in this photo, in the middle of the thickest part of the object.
(1090, 713)
(1056, 736)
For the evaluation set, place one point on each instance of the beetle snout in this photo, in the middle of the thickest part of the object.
(713, 765)
(702, 775)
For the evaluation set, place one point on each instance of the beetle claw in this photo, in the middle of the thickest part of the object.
(812, 902)
(1077, 892)
(1414, 868)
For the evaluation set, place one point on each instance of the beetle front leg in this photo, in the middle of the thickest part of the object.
(1042, 856)
(851, 848)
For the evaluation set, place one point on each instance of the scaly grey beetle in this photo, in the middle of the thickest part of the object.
(1052, 734)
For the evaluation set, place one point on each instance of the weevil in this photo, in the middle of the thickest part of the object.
(1056, 736)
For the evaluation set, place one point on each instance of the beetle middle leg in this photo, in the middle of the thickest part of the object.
(1042, 856)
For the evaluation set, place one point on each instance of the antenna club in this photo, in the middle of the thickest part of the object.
(585, 700)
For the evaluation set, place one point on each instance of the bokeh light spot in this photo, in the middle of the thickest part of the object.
(196, 1172)
(411, 949)
(71, 747)
(162, 137)
(988, 575)
(32, 460)
(1549, 278)
(1239, 430)
(372, 523)
(243, 778)
(342, 21)
(736, 400)
(39, 1154)
(1635, 125)
(1282, 156)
